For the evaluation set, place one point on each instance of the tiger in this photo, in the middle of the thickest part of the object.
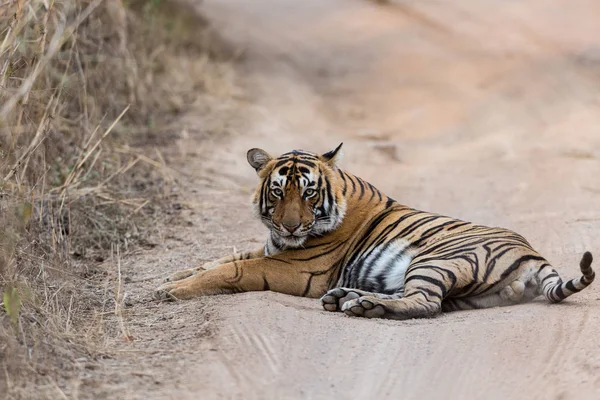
(335, 236)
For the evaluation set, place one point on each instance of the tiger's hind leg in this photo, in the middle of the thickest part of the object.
(425, 300)
(334, 299)
(533, 281)
(514, 293)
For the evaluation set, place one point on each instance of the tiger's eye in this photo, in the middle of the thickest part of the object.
(277, 192)
(309, 192)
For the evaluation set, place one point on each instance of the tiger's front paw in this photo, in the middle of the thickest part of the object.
(186, 273)
(366, 306)
(173, 291)
(334, 299)
(179, 275)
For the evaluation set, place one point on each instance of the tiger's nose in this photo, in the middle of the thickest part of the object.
(291, 228)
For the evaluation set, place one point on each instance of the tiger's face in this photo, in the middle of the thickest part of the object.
(298, 196)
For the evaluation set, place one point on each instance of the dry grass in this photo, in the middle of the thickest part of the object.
(88, 90)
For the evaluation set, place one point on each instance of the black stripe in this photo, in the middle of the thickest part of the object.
(558, 292)
(329, 195)
(416, 225)
(309, 156)
(569, 285)
(427, 293)
(372, 189)
(282, 162)
(552, 275)
(320, 254)
(307, 288)
(458, 224)
(263, 200)
(424, 236)
(238, 274)
(389, 202)
(437, 269)
(341, 173)
(277, 259)
(362, 188)
(353, 184)
(542, 267)
(433, 281)
(304, 162)
(518, 263)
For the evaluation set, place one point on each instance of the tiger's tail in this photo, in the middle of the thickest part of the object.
(555, 290)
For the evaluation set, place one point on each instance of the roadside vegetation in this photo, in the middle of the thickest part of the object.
(90, 92)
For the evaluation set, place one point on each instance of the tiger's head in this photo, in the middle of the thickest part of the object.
(298, 195)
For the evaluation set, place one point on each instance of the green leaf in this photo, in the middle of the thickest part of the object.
(23, 214)
(12, 304)
(27, 211)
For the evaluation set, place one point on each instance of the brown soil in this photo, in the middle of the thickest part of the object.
(464, 108)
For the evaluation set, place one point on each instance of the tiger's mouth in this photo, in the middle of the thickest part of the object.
(293, 240)
(295, 234)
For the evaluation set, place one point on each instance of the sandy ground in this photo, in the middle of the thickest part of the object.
(465, 108)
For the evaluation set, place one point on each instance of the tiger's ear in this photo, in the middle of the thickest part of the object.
(333, 156)
(258, 158)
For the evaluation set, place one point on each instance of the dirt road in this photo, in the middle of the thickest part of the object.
(462, 108)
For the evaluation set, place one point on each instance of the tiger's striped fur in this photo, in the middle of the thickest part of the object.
(335, 236)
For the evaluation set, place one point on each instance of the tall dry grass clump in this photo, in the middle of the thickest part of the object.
(87, 88)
